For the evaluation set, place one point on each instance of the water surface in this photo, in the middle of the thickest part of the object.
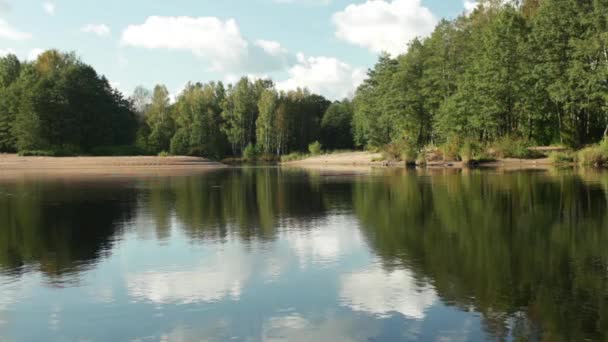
(273, 254)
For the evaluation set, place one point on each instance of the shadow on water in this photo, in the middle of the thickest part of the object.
(526, 250)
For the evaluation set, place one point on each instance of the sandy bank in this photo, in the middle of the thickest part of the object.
(340, 159)
(366, 159)
(12, 165)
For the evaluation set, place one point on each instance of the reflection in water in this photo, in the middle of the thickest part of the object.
(220, 276)
(381, 292)
(271, 254)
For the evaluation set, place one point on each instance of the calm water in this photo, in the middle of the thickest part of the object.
(271, 255)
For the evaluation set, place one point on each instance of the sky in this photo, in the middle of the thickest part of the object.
(324, 45)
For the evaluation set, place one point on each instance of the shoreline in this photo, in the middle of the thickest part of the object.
(366, 159)
(14, 166)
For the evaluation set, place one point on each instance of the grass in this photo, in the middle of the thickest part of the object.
(37, 153)
(293, 157)
(561, 157)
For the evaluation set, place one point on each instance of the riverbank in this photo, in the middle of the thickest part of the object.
(369, 159)
(12, 165)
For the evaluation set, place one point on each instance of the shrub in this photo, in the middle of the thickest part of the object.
(561, 157)
(315, 148)
(451, 149)
(469, 151)
(293, 157)
(164, 154)
(509, 147)
(402, 150)
(250, 152)
(594, 155)
(37, 153)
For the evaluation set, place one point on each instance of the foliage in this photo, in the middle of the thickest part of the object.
(508, 147)
(537, 70)
(250, 152)
(557, 157)
(293, 157)
(596, 155)
(315, 148)
(336, 126)
(38, 153)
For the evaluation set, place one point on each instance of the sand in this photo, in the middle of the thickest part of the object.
(12, 166)
(360, 160)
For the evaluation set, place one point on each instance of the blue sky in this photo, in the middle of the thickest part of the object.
(325, 45)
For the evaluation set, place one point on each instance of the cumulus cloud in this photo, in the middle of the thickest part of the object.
(383, 25)
(395, 291)
(100, 30)
(218, 41)
(34, 53)
(271, 47)
(8, 51)
(49, 7)
(328, 76)
(11, 33)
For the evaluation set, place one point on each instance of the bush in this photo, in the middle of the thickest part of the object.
(451, 149)
(37, 153)
(315, 148)
(594, 155)
(402, 150)
(470, 151)
(164, 154)
(561, 157)
(293, 157)
(508, 147)
(250, 152)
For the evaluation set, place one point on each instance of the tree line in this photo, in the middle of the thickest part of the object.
(59, 105)
(531, 70)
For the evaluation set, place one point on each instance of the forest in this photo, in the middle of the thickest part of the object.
(515, 73)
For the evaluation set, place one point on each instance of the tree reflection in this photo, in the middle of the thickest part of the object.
(527, 251)
(59, 226)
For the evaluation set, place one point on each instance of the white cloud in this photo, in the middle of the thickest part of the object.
(470, 5)
(49, 7)
(101, 30)
(219, 41)
(11, 33)
(34, 53)
(395, 291)
(384, 25)
(8, 51)
(327, 76)
(271, 47)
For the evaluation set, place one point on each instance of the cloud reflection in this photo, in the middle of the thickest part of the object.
(222, 276)
(326, 244)
(380, 292)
